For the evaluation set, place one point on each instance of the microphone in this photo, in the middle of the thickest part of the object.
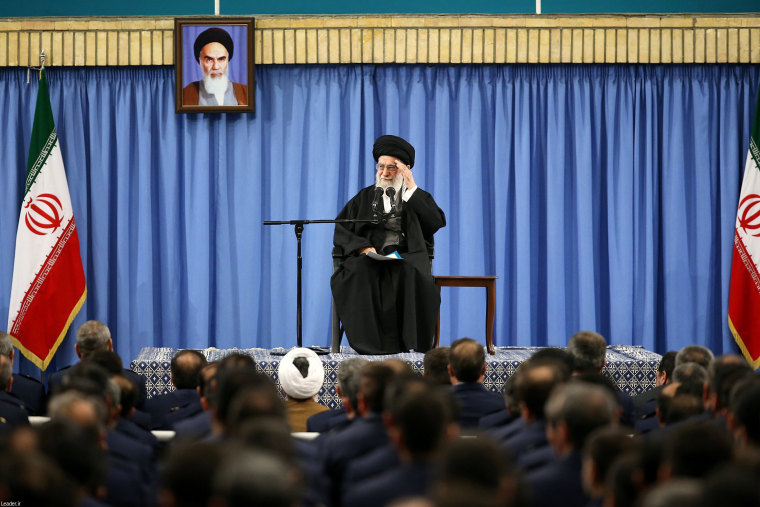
(376, 200)
(391, 193)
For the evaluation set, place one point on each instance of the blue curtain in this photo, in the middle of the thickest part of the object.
(603, 197)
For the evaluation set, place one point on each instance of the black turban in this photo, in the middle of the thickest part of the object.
(394, 146)
(213, 34)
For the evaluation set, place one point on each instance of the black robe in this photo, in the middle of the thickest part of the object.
(388, 307)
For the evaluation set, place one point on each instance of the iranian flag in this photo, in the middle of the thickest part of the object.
(744, 293)
(48, 286)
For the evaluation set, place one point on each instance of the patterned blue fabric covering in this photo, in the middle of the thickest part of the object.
(632, 368)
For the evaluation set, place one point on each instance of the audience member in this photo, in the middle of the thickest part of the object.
(467, 369)
(646, 402)
(573, 411)
(475, 473)
(201, 425)
(601, 449)
(534, 382)
(420, 421)
(588, 350)
(695, 449)
(723, 374)
(184, 402)
(91, 337)
(255, 478)
(29, 390)
(347, 389)
(363, 435)
(301, 376)
(744, 416)
(12, 411)
(694, 354)
(188, 474)
(435, 365)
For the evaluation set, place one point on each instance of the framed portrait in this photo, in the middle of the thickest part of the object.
(214, 65)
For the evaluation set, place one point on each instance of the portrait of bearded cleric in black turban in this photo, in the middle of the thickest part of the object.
(214, 65)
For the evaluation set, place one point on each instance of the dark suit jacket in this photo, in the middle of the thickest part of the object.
(168, 409)
(536, 459)
(407, 480)
(136, 459)
(505, 432)
(325, 421)
(31, 392)
(558, 483)
(136, 432)
(646, 407)
(475, 401)
(342, 447)
(531, 438)
(496, 420)
(12, 412)
(195, 427)
(372, 464)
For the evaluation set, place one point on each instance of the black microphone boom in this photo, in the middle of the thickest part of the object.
(376, 201)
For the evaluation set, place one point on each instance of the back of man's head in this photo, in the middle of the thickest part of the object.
(682, 407)
(690, 372)
(374, 379)
(188, 473)
(255, 401)
(534, 383)
(589, 350)
(6, 345)
(467, 359)
(422, 415)
(85, 410)
(694, 354)
(6, 372)
(556, 355)
(435, 365)
(77, 452)
(91, 336)
(108, 359)
(602, 448)
(745, 409)
(186, 367)
(231, 383)
(349, 377)
(698, 448)
(724, 373)
(256, 478)
(128, 393)
(582, 407)
(475, 472)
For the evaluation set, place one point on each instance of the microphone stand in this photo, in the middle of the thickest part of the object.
(298, 224)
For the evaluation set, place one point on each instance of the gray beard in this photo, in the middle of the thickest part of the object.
(398, 180)
(216, 86)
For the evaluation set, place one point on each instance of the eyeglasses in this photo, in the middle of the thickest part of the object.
(391, 167)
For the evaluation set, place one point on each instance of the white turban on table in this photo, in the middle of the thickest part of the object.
(293, 382)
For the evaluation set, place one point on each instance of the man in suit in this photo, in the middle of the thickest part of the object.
(184, 402)
(93, 336)
(534, 383)
(363, 435)
(420, 422)
(27, 389)
(646, 402)
(348, 390)
(573, 411)
(467, 369)
(12, 411)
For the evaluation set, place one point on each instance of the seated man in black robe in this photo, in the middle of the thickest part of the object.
(388, 306)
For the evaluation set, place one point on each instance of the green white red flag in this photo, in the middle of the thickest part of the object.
(744, 293)
(48, 286)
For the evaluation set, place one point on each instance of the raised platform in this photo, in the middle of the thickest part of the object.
(632, 368)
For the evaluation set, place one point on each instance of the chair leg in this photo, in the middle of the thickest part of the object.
(337, 332)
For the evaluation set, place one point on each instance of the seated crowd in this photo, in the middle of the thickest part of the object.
(562, 432)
